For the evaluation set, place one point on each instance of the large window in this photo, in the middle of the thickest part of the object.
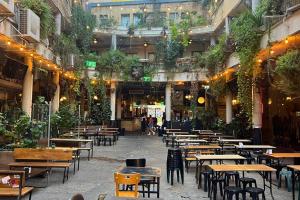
(125, 20)
(174, 17)
(103, 20)
(137, 18)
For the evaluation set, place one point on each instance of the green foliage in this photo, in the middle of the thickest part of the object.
(82, 26)
(21, 127)
(100, 112)
(64, 119)
(168, 51)
(108, 23)
(218, 87)
(43, 10)
(246, 34)
(111, 61)
(214, 58)
(239, 126)
(288, 72)
(208, 119)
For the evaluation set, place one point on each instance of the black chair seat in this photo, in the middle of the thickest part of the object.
(247, 180)
(233, 189)
(254, 190)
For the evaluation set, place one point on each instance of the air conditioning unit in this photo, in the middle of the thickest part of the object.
(6, 8)
(30, 25)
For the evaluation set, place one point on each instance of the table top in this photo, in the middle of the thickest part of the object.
(124, 198)
(71, 140)
(283, 155)
(179, 133)
(173, 129)
(227, 168)
(195, 136)
(294, 167)
(201, 147)
(220, 157)
(209, 133)
(233, 140)
(255, 147)
(189, 140)
(144, 171)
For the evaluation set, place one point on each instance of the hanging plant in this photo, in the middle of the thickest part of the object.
(218, 86)
(288, 72)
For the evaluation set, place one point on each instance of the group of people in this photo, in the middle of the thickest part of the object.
(149, 125)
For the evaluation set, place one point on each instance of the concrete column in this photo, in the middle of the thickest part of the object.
(227, 25)
(58, 23)
(113, 101)
(114, 41)
(228, 99)
(257, 113)
(119, 108)
(254, 4)
(56, 98)
(212, 41)
(168, 102)
(27, 87)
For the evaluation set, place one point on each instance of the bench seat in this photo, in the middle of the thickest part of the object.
(14, 192)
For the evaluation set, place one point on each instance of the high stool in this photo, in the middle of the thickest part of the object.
(175, 163)
(229, 191)
(206, 174)
(247, 181)
(214, 182)
(255, 192)
(234, 175)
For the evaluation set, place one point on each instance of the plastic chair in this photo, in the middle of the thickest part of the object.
(140, 162)
(127, 179)
(288, 177)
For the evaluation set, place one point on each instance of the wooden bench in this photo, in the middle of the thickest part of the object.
(43, 158)
(15, 185)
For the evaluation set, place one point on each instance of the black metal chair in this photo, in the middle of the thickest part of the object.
(175, 163)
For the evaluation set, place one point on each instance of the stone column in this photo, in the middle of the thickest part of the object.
(257, 113)
(58, 23)
(114, 41)
(113, 102)
(212, 41)
(228, 99)
(28, 87)
(227, 25)
(168, 103)
(56, 98)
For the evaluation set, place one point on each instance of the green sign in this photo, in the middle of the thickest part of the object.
(147, 78)
(90, 64)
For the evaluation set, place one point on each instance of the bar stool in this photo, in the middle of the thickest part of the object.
(255, 192)
(234, 175)
(214, 182)
(247, 181)
(229, 191)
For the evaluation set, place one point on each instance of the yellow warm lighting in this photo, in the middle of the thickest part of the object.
(288, 98)
(95, 97)
(8, 43)
(269, 101)
(201, 100)
(21, 49)
(286, 41)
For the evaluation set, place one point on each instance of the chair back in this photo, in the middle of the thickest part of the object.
(141, 162)
(77, 197)
(127, 179)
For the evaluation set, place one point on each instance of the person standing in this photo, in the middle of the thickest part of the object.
(150, 126)
(143, 125)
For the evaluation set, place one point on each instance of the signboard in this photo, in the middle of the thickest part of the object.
(90, 64)
(147, 78)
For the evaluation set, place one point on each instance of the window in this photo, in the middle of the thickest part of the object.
(103, 20)
(174, 17)
(125, 20)
(137, 18)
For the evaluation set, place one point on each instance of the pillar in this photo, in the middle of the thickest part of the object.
(227, 25)
(113, 102)
(228, 100)
(168, 103)
(212, 41)
(257, 113)
(27, 87)
(254, 4)
(119, 108)
(58, 23)
(114, 41)
(56, 98)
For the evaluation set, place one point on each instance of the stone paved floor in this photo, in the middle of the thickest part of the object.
(96, 176)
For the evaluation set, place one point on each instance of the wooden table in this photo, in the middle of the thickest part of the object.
(283, 155)
(254, 147)
(71, 141)
(198, 141)
(77, 157)
(188, 148)
(222, 141)
(123, 198)
(295, 169)
(150, 172)
(261, 169)
(202, 158)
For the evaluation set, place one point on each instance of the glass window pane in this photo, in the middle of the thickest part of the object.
(125, 20)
